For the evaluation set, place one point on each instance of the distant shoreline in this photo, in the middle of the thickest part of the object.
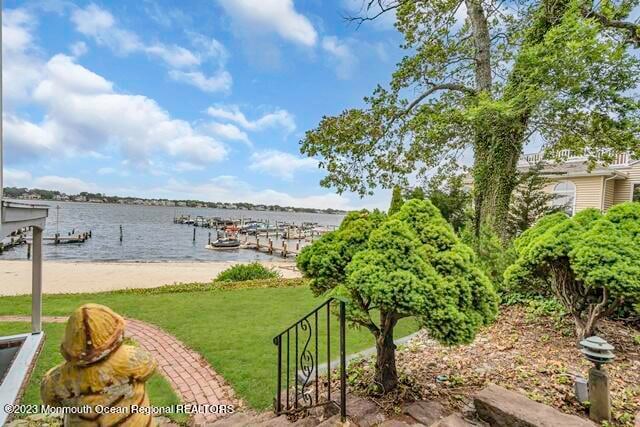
(61, 277)
(49, 196)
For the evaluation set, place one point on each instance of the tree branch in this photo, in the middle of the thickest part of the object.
(383, 8)
(433, 89)
(631, 27)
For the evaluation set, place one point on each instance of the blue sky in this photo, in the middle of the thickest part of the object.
(203, 99)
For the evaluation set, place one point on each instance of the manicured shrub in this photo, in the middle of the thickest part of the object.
(589, 262)
(408, 264)
(244, 272)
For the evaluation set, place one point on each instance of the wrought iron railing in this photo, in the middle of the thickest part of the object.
(300, 347)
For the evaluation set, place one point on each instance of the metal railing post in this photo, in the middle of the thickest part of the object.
(343, 365)
(279, 381)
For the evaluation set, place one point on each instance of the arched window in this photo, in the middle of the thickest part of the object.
(565, 192)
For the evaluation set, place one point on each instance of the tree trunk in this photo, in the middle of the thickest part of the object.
(585, 328)
(497, 151)
(386, 373)
(482, 44)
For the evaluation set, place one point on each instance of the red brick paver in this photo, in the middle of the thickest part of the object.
(188, 372)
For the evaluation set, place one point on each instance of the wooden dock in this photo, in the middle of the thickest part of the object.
(275, 246)
(63, 240)
(12, 242)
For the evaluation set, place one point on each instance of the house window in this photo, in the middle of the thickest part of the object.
(635, 196)
(565, 192)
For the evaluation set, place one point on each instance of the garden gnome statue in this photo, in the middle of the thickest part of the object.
(101, 374)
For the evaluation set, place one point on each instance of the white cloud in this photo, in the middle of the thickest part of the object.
(16, 178)
(208, 47)
(175, 56)
(63, 184)
(85, 114)
(228, 188)
(229, 132)
(271, 16)
(62, 71)
(164, 16)
(24, 139)
(21, 66)
(70, 185)
(219, 82)
(99, 24)
(280, 164)
(78, 49)
(343, 58)
(279, 118)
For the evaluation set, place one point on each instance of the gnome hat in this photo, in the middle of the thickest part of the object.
(93, 332)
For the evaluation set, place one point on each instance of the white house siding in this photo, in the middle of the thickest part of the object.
(588, 192)
(623, 187)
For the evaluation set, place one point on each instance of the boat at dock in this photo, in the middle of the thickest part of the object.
(224, 244)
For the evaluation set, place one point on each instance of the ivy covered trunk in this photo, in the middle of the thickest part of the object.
(497, 151)
(386, 374)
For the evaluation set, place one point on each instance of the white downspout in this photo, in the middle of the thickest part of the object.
(604, 191)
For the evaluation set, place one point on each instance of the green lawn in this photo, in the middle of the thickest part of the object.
(233, 329)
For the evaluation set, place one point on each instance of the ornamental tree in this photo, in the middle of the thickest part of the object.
(530, 201)
(396, 200)
(589, 261)
(410, 264)
(483, 76)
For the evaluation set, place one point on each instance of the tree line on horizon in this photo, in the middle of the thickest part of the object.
(19, 192)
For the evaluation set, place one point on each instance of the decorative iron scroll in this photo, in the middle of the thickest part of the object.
(294, 392)
(306, 363)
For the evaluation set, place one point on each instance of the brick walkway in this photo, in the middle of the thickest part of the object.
(189, 373)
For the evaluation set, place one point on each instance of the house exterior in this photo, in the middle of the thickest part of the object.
(580, 187)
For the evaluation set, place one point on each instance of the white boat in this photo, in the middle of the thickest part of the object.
(222, 244)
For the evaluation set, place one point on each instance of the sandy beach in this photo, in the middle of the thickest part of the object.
(72, 277)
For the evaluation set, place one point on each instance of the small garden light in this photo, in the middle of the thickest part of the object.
(597, 350)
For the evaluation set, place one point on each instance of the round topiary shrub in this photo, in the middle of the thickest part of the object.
(589, 262)
(408, 264)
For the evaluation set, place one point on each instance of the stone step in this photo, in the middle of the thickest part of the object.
(426, 412)
(505, 408)
(453, 420)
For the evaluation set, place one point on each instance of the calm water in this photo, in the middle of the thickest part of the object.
(149, 233)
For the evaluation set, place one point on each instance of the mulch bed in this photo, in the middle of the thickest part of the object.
(534, 355)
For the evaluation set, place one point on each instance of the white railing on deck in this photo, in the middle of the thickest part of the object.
(619, 159)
